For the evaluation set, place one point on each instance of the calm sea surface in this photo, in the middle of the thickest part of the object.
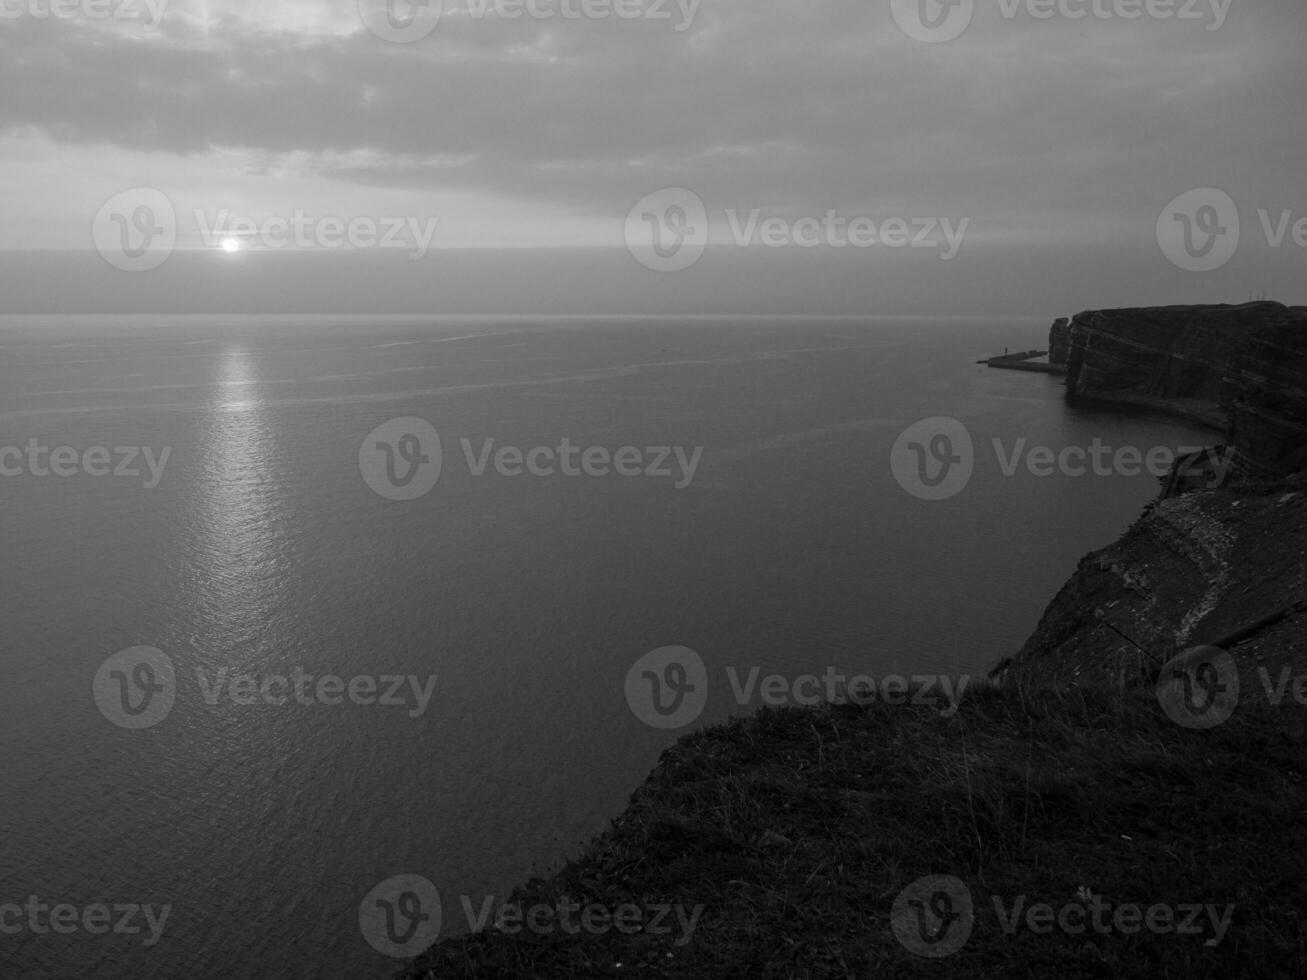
(263, 550)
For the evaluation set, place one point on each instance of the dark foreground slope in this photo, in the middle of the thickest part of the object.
(1162, 846)
(797, 829)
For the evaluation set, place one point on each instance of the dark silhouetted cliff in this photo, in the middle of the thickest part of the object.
(1239, 368)
(1207, 565)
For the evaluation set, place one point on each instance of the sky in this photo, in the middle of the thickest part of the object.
(646, 156)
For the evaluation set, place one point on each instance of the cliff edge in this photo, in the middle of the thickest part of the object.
(1061, 822)
(1192, 361)
(1202, 567)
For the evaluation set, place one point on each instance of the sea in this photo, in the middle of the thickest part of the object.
(295, 607)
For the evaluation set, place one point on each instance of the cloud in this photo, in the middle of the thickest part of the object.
(1032, 125)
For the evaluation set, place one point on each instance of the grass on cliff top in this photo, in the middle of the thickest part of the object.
(796, 829)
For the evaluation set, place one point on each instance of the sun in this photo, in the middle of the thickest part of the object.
(231, 244)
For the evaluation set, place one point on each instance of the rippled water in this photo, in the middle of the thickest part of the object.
(262, 550)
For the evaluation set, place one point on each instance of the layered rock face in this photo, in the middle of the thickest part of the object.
(1059, 339)
(1245, 364)
(1268, 407)
(1170, 352)
(1194, 569)
(1227, 566)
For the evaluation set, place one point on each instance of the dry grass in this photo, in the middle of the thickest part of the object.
(795, 829)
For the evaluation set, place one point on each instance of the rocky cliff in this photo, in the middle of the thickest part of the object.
(1267, 401)
(1059, 339)
(1224, 566)
(1237, 368)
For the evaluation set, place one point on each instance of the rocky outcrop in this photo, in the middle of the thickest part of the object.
(1200, 568)
(1225, 566)
(1168, 352)
(1242, 368)
(1059, 339)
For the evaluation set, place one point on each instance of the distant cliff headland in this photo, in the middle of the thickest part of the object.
(1069, 820)
(1242, 369)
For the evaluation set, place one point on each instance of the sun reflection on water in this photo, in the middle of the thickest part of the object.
(239, 519)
